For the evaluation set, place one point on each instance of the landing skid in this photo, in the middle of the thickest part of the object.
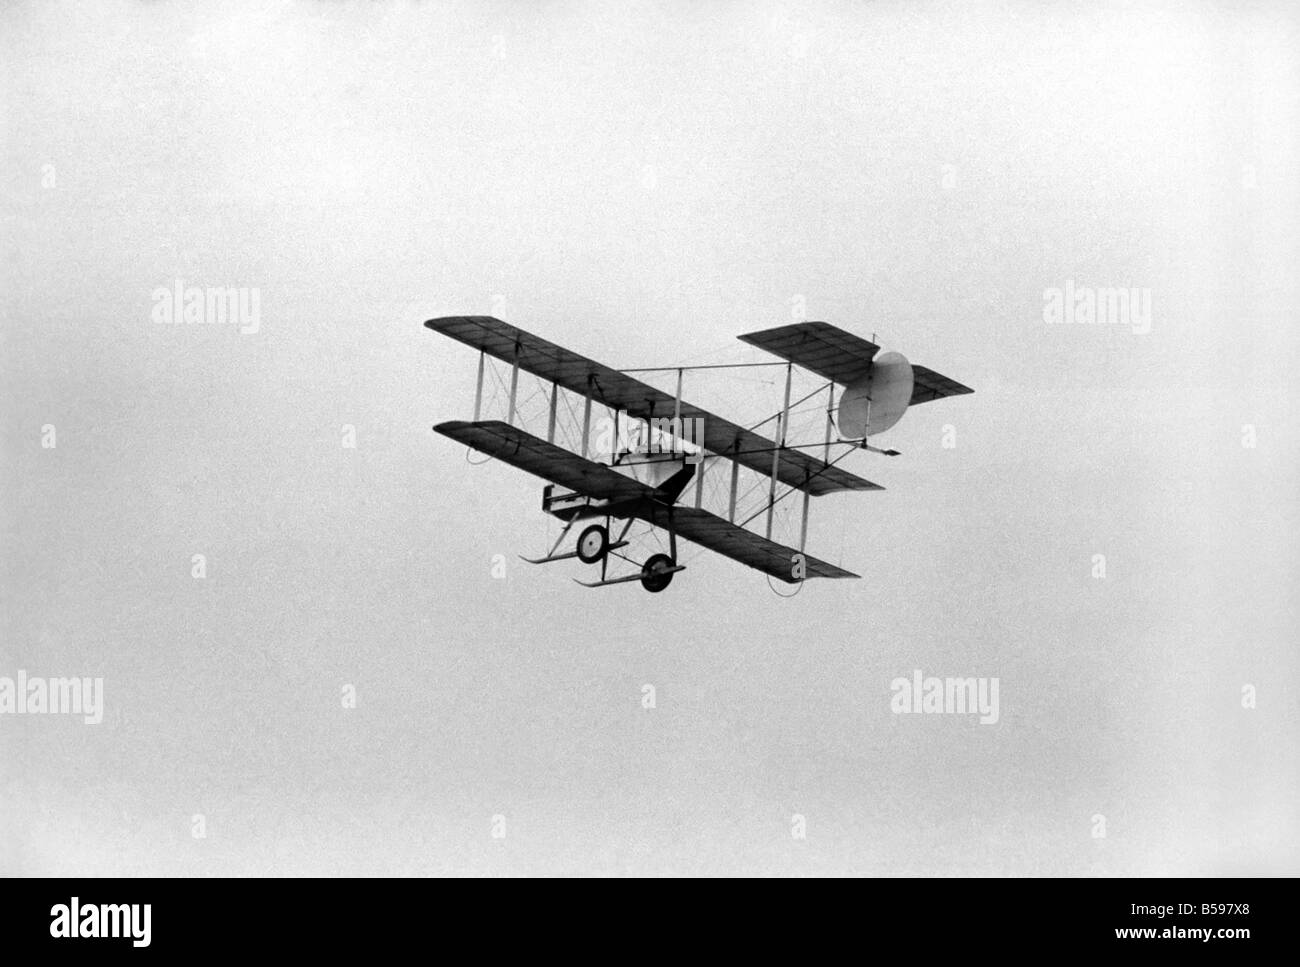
(569, 556)
(628, 577)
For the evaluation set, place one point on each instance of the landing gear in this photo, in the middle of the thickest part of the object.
(657, 572)
(593, 544)
(594, 547)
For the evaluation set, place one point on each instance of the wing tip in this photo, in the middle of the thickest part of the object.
(443, 323)
(858, 486)
(449, 428)
(466, 424)
(752, 337)
(837, 574)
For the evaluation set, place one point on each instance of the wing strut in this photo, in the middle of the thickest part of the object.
(514, 384)
(478, 390)
(735, 480)
(776, 451)
(826, 457)
(586, 418)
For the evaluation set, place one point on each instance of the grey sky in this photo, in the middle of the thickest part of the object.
(642, 185)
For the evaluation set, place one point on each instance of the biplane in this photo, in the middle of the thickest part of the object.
(645, 480)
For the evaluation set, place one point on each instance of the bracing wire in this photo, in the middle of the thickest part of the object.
(501, 386)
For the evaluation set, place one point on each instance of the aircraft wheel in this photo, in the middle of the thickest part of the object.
(651, 577)
(593, 544)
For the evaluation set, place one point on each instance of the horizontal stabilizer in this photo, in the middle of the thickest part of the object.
(829, 352)
(844, 358)
(928, 385)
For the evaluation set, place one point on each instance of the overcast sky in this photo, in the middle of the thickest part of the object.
(642, 183)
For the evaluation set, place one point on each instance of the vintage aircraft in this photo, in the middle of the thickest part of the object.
(646, 483)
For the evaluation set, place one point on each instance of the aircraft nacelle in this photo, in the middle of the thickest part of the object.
(878, 400)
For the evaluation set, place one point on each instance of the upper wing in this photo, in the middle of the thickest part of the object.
(621, 392)
(512, 445)
(730, 540)
(928, 385)
(828, 351)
